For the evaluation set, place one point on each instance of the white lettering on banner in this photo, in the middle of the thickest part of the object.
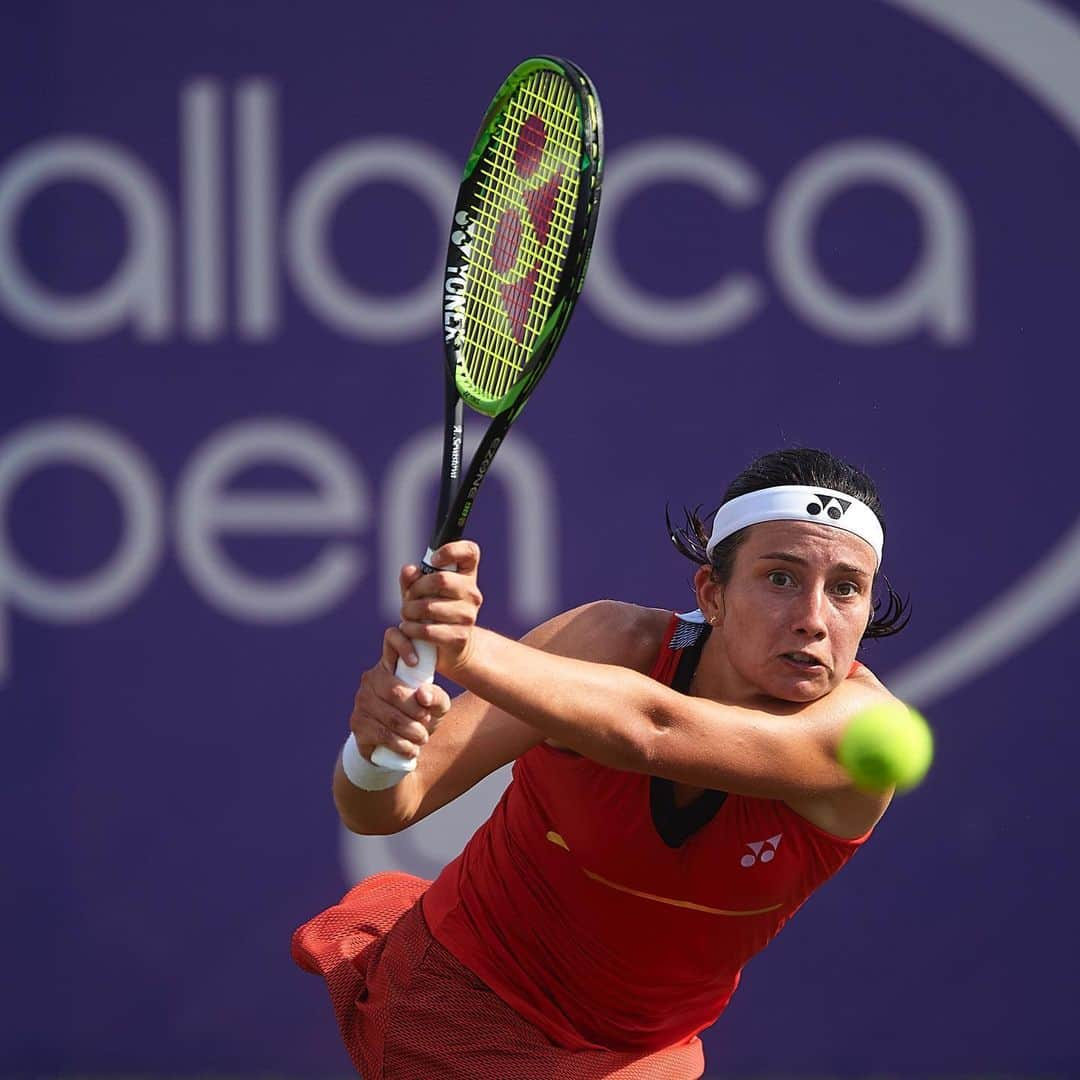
(637, 313)
(937, 293)
(205, 511)
(318, 193)
(139, 291)
(257, 300)
(532, 517)
(202, 195)
(125, 470)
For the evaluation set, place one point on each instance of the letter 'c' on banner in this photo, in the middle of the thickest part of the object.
(642, 314)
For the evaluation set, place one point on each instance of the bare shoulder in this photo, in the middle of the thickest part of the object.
(605, 632)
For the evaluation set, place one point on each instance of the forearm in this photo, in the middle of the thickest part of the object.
(374, 813)
(626, 720)
(605, 712)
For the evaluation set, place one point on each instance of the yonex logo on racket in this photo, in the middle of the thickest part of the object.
(523, 229)
(833, 507)
(539, 204)
(457, 279)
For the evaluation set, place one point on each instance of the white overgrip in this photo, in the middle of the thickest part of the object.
(413, 675)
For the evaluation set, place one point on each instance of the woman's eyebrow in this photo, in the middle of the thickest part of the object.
(798, 560)
(785, 556)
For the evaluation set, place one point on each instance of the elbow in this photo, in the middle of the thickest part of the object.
(369, 828)
(649, 747)
(641, 744)
(366, 825)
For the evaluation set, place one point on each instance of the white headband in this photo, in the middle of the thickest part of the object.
(794, 503)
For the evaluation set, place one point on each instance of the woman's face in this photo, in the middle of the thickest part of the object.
(790, 620)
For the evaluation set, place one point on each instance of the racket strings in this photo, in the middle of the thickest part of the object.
(565, 136)
(500, 366)
(523, 216)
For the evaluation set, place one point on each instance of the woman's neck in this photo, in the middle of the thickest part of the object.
(715, 677)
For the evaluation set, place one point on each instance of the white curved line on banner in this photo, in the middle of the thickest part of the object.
(1038, 45)
(1040, 598)
(1035, 43)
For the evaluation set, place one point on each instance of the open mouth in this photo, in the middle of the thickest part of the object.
(803, 660)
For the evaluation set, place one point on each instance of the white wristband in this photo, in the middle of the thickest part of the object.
(362, 774)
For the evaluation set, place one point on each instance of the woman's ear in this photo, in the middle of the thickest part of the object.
(710, 595)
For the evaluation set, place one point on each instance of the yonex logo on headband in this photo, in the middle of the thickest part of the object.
(835, 512)
(794, 502)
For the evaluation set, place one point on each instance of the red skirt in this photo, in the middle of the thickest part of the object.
(409, 1009)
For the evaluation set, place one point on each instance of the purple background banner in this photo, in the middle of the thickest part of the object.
(849, 224)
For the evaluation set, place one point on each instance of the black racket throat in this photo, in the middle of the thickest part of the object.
(453, 448)
(459, 492)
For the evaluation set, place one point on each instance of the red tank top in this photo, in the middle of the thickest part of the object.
(571, 907)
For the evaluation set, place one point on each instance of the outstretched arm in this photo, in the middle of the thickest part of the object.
(626, 720)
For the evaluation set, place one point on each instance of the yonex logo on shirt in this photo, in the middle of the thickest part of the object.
(760, 855)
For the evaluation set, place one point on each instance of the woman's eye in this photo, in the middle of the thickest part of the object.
(847, 588)
(779, 577)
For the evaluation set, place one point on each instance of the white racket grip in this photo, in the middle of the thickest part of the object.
(422, 672)
(414, 676)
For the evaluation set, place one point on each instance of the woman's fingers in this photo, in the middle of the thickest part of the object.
(445, 583)
(442, 605)
(380, 689)
(401, 738)
(434, 700)
(386, 711)
(408, 575)
(438, 609)
(387, 723)
(454, 637)
(464, 555)
(395, 645)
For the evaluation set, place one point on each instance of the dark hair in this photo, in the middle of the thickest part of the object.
(808, 468)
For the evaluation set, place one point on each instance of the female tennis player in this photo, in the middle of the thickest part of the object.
(675, 798)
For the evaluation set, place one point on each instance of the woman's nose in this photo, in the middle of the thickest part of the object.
(810, 614)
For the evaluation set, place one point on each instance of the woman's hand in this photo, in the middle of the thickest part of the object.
(387, 712)
(442, 607)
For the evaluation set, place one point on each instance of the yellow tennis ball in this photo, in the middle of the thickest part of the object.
(885, 745)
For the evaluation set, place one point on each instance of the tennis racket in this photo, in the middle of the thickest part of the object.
(519, 246)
